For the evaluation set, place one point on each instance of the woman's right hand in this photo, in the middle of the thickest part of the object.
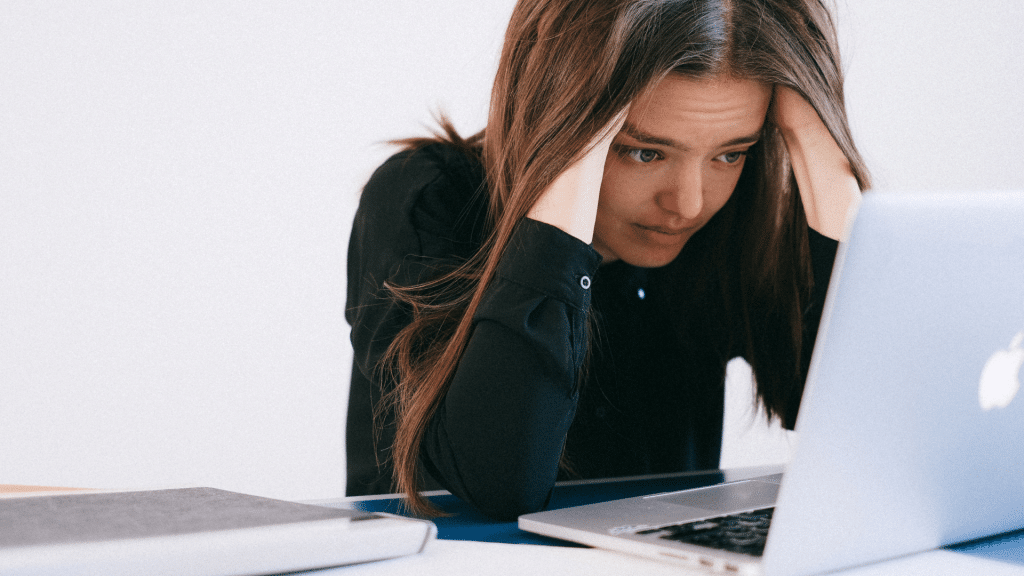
(570, 201)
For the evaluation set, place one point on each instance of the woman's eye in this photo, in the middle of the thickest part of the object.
(642, 155)
(732, 157)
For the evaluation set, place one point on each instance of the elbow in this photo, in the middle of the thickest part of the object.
(507, 503)
(501, 493)
(501, 497)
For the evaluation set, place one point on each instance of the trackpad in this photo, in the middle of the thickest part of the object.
(744, 495)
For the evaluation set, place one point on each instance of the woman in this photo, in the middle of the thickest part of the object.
(659, 189)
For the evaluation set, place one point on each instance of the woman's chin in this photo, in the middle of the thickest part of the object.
(644, 256)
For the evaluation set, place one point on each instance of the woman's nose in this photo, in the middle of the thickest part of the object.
(685, 194)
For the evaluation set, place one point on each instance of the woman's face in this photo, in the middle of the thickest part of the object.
(674, 165)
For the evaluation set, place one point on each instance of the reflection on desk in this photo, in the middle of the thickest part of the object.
(465, 523)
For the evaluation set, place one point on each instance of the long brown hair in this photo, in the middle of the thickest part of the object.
(566, 69)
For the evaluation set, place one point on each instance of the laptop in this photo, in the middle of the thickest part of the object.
(910, 424)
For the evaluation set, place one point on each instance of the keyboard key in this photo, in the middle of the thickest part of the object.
(744, 533)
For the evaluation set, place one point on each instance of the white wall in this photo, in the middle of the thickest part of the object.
(934, 91)
(176, 185)
(176, 182)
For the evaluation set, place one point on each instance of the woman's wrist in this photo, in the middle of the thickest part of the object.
(828, 188)
(570, 201)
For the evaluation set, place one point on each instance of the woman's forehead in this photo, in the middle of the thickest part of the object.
(709, 111)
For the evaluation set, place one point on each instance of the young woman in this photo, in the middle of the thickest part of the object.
(659, 189)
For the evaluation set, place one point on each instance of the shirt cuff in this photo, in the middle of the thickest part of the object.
(545, 258)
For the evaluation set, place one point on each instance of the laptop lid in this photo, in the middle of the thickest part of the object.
(898, 434)
(900, 448)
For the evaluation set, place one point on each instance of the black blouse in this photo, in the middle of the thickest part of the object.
(651, 399)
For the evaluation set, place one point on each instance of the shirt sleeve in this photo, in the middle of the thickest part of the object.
(497, 436)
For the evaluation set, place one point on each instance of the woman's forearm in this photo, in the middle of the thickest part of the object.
(828, 188)
(569, 203)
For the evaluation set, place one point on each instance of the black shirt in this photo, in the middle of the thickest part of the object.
(651, 399)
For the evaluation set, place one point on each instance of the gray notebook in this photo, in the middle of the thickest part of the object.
(192, 531)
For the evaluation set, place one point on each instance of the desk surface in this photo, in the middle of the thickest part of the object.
(471, 544)
(1002, 554)
(460, 558)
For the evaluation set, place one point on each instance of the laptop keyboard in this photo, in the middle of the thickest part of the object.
(744, 533)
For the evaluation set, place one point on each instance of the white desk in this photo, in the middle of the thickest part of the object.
(457, 558)
(497, 557)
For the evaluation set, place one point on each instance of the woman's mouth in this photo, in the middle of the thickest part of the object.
(663, 230)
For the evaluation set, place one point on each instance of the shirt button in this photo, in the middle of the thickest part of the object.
(585, 282)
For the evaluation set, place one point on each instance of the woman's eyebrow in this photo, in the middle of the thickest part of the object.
(637, 134)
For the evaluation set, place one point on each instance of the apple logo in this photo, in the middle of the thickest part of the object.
(1000, 376)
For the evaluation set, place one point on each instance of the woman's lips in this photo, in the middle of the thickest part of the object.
(665, 230)
(667, 237)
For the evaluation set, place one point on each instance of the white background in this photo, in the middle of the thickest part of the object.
(177, 182)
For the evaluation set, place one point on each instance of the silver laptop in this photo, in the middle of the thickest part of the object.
(910, 429)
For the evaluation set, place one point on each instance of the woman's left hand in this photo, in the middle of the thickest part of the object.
(828, 188)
